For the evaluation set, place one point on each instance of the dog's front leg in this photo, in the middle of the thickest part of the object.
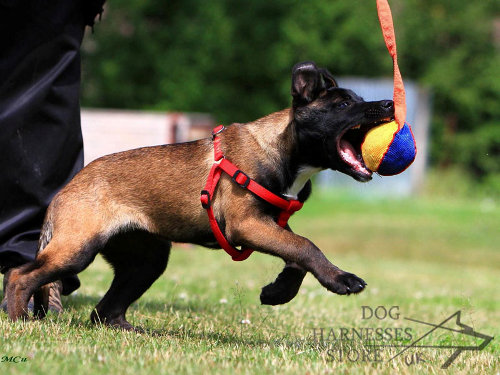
(266, 236)
(285, 287)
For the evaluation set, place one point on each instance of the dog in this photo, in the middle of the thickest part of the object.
(131, 205)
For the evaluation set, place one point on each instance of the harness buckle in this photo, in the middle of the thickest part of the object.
(205, 199)
(217, 130)
(242, 184)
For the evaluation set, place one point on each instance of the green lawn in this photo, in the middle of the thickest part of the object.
(430, 258)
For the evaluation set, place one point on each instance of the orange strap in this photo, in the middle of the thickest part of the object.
(385, 18)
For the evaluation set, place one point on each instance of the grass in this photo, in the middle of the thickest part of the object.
(430, 258)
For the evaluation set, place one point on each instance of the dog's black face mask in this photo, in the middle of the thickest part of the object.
(332, 122)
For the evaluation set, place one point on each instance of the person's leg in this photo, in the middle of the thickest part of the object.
(40, 136)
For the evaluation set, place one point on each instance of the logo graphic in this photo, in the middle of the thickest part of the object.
(377, 343)
(464, 329)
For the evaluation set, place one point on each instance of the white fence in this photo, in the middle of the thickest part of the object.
(109, 131)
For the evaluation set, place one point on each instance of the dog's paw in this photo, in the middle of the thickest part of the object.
(346, 283)
(284, 288)
(277, 295)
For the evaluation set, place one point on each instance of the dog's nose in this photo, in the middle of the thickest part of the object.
(386, 104)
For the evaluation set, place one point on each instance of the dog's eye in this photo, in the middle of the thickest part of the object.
(343, 105)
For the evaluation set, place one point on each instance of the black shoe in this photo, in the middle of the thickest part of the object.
(55, 304)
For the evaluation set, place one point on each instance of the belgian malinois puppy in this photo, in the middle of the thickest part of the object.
(129, 206)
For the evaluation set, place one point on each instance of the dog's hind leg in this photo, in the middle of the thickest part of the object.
(59, 259)
(41, 301)
(138, 259)
(285, 287)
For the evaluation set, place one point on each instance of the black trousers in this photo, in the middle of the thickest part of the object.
(41, 145)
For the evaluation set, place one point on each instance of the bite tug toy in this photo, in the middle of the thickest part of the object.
(390, 148)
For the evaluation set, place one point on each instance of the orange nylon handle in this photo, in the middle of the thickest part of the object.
(385, 18)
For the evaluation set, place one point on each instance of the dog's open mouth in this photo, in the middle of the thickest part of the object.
(349, 149)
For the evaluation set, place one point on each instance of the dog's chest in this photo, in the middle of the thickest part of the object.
(304, 174)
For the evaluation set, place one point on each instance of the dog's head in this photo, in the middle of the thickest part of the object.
(331, 122)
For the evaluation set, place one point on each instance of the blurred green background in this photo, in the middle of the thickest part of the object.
(233, 59)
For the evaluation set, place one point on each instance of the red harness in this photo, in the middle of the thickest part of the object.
(221, 164)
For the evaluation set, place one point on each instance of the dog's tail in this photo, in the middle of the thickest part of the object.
(46, 232)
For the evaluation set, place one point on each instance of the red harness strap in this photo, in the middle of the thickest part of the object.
(221, 164)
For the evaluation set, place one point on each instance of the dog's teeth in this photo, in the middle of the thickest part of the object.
(356, 127)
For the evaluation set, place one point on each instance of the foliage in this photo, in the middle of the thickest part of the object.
(476, 148)
(233, 59)
(450, 46)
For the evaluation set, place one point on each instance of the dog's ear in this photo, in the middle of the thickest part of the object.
(328, 79)
(307, 82)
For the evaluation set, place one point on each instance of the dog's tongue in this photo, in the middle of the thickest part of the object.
(349, 155)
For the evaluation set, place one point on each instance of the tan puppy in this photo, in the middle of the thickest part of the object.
(129, 206)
